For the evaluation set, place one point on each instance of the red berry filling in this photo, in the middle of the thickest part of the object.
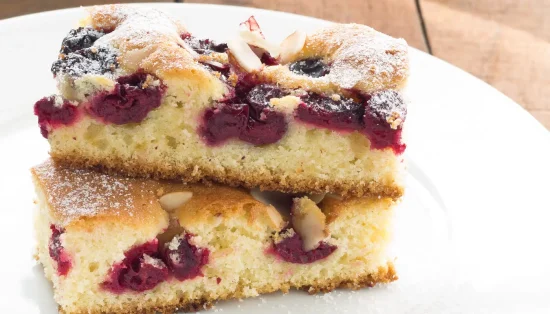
(290, 249)
(184, 259)
(57, 251)
(381, 109)
(147, 265)
(247, 115)
(372, 115)
(53, 112)
(267, 59)
(133, 97)
(140, 270)
(340, 114)
(224, 122)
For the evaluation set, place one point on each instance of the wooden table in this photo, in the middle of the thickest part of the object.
(504, 42)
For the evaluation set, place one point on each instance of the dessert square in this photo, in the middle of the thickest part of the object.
(139, 94)
(112, 244)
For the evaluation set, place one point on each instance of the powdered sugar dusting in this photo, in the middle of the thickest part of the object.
(96, 60)
(365, 55)
(75, 193)
(138, 27)
(390, 106)
(135, 27)
(147, 39)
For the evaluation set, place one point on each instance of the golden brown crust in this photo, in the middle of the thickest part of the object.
(264, 181)
(221, 202)
(334, 207)
(384, 275)
(84, 197)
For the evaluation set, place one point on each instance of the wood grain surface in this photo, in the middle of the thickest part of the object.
(504, 42)
(397, 18)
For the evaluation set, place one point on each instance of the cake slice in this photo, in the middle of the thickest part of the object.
(112, 244)
(321, 112)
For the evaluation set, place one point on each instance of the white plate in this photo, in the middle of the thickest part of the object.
(473, 230)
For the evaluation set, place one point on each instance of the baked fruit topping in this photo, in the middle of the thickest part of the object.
(80, 38)
(93, 60)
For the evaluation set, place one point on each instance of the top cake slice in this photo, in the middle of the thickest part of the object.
(320, 112)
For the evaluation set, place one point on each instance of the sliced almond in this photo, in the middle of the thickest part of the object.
(251, 33)
(317, 198)
(309, 222)
(256, 39)
(251, 25)
(291, 45)
(174, 200)
(244, 55)
(275, 217)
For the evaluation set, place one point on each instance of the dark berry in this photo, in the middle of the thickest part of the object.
(269, 129)
(203, 46)
(93, 60)
(248, 115)
(265, 125)
(267, 59)
(290, 250)
(80, 38)
(133, 97)
(224, 69)
(381, 108)
(184, 259)
(339, 114)
(140, 270)
(57, 251)
(258, 98)
(51, 114)
(223, 122)
(144, 273)
(310, 67)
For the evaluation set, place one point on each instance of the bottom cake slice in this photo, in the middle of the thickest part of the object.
(112, 244)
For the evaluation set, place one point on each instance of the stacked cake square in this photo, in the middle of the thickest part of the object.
(186, 171)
